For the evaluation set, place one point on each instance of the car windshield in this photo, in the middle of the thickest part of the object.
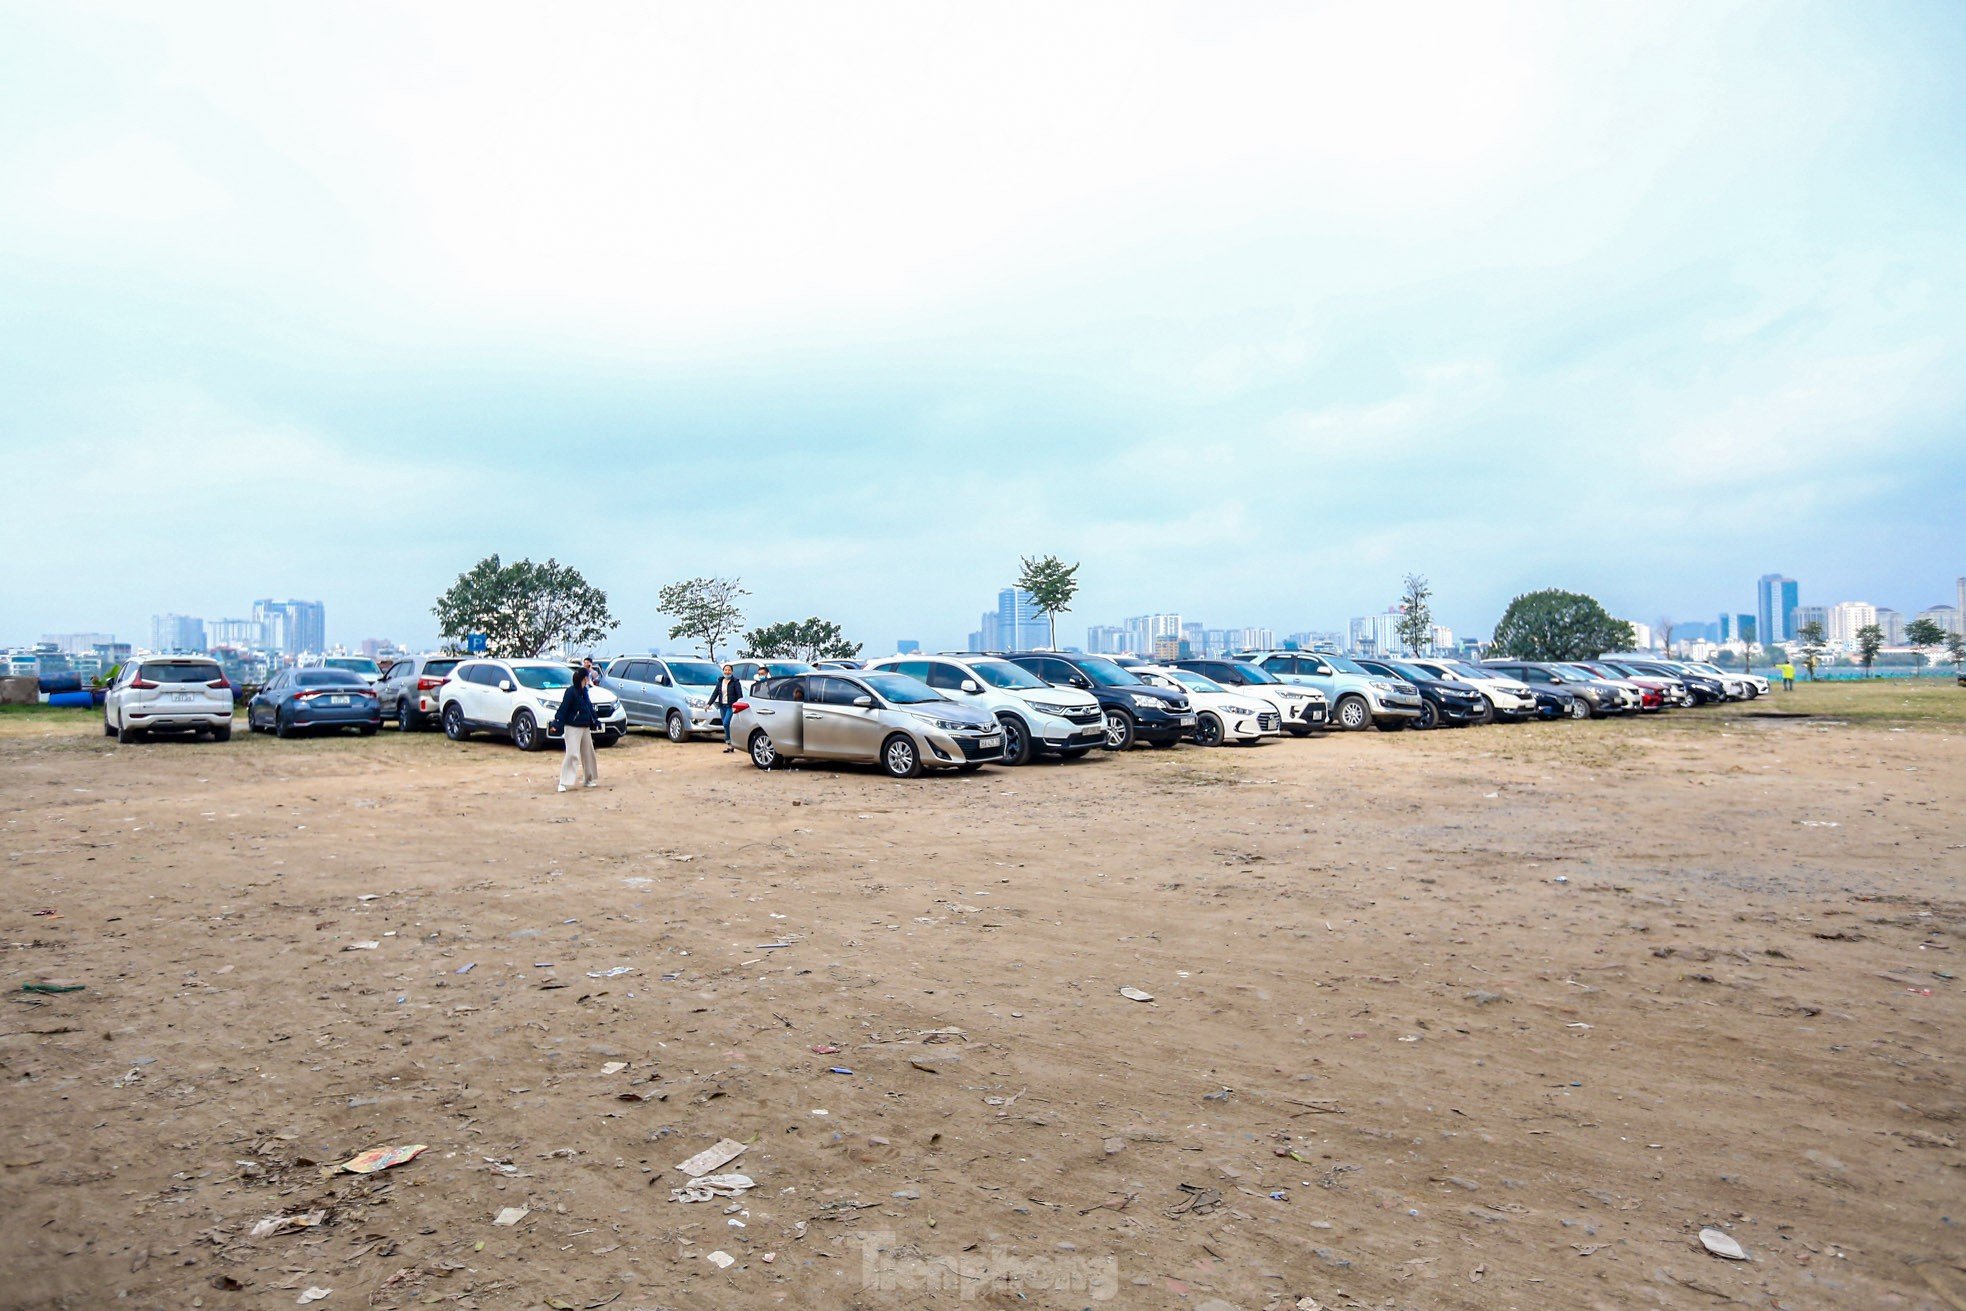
(179, 671)
(783, 668)
(903, 690)
(1009, 677)
(327, 678)
(438, 668)
(1706, 669)
(543, 678)
(1256, 673)
(1578, 671)
(1341, 664)
(1194, 682)
(353, 664)
(1471, 671)
(1104, 673)
(1413, 673)
(694, 671)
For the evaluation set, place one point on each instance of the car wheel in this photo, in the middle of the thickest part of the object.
(108, 729)
(1429, 716)
(124, 733)
(405, 715)
(900, 758)
(525, 732)
(1579, 709)
(1119, 730)
(223, 733)
(282, 726)
(1487, 715)
(1208, 731)
(1353, 714)
(678, 730)
(1016, 741)
(764, 752)
(454, 728)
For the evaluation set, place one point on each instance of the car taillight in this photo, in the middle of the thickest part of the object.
(740, 706)
(427, 684)
(220, 684)
(144, 683)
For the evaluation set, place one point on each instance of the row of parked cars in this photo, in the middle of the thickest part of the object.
(957, 710)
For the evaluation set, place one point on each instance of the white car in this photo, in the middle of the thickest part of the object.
(1036, 716)
(1241, 715)
(1508, 698)
(168, 694)
(519, 699)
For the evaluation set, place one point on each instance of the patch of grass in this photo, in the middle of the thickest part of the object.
(1931, 701)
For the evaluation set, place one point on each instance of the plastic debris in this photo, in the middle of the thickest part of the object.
(382, 1158)
(614, 973)
(1136, 994)
(1723, 1245)
(721, 1260)
(312, 1295)
(511, 1215)
(614, 1067)
(286, 1224)
(825, 1049)
(722, 1152)
(709, 1187)
(839, 1069)
(370, 945)
(467, 967)
(51, 985)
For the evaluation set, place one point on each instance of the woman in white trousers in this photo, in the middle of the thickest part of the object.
(577, 722)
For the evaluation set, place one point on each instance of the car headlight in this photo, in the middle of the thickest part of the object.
(699, 702)
(1382, 685)
(1147, 702)
(1239, 710)
(1046, 708)
(946, 725)
(547, 702)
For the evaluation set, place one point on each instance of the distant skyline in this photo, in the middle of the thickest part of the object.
(1249, 310)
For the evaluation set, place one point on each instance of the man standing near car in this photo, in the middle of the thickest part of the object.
(577, 721)
(729, 691)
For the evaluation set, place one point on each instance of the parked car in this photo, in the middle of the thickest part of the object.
(1304, 709)
(369, 670)
(1358, 700)
(1135, 711)
(407, 691)
(1703, 689)
(671, 693)
(1510, 700)
(1735, 687)
(1221, 714)
(899, 723)
(296, 700)
(840, 663)
(168, 694)
(519, 699)
(1631, 697)
(1594, 699)
(1035, 715)
(1451, 701)
(1559, 703)
(1655, 694)
(749, 671)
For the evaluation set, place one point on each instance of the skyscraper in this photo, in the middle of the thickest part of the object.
(1776, 597)
(1021, 626)
(177, 633)
(292, 627)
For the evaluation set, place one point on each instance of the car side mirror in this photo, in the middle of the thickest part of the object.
(864, 702)
(1081, 682)
(969, 685)
(505, 685)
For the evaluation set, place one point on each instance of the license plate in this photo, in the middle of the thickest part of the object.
(1093, 731)
(994, 740)
(1317, 716)
(179, 696)
(339, 700)
(1187, 721)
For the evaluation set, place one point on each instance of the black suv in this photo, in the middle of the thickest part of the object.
(1442, 701)
(1135, 709)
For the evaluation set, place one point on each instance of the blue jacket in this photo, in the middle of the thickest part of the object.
(577, 710)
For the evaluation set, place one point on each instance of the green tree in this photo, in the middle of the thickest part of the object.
(1956, 650)
(1870, 640)
(1052, 584)
(1416, 620)
(1922, 633)
(705, 610)
(1558, 625)
(1747, 643)
(804, 639)
(1813, 642)
(523, 609)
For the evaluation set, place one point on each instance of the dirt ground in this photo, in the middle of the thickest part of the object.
(1494, 1018)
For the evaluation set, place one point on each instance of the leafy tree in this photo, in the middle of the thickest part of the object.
(1558, 625)
(1416, 620)
(1813, 642)
(1956, 650)
(523, 609)
(704, 609)
(805, 639)
(1921, 633)
(1052, 584)
(1870, 640)
(1747, 643)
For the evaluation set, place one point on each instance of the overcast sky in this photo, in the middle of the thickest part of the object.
(1250, 308)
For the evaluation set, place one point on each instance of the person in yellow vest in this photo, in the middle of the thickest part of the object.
(1787, 671)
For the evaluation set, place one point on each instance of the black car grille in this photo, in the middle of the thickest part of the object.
(1269, 722)
(974, 750)
(1085, 715)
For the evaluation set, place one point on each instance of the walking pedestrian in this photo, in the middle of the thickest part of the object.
(729, 691)
(1787, 671)
(577, 721)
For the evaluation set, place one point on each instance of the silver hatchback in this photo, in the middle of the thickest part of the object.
(889, 720)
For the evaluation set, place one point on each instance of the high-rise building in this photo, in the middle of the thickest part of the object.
(1143, 632)
(292, 627)
(1105, 639)
(1893, 625)
(1195, 635)
(185, 633)
(248, 634)
(77, 643)
(1806, 615)
(1776, 597)
(1746, 628)
(1959, 605)
(1943, 615)
(1253, 639)
(1378, 634)
(1021, 626)
(1845, 618)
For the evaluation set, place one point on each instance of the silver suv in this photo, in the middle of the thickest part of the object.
(408, 689)
(1358, 699)
(671, 693)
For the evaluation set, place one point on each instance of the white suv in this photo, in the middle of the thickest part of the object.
(1508, 698)
(1035, 715)
(168, 694)
(519, 698)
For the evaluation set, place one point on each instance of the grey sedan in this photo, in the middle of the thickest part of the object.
(864, 718)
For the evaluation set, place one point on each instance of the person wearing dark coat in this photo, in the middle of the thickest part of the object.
(729, 691)
(577, 722)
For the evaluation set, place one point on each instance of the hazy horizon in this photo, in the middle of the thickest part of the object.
(1251, 311)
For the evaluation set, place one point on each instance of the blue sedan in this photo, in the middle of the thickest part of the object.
(299, 699)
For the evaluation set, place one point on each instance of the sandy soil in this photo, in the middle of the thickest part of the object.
(1496, 1018)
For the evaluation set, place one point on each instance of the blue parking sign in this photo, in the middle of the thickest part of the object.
(475, 643)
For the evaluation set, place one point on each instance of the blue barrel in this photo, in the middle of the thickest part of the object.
(72, 698)
(61, 682)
